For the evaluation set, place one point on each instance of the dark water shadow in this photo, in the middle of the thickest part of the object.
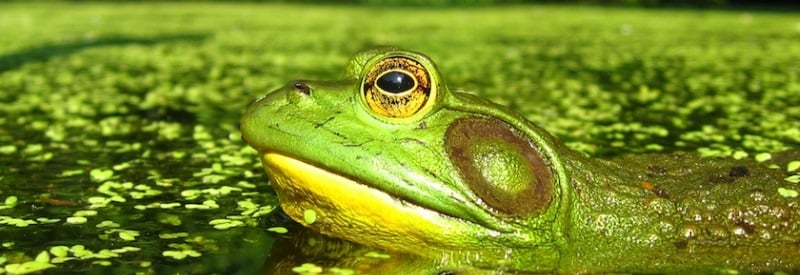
(44, 52)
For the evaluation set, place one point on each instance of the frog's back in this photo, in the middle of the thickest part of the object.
(686, 211)
(727, 202)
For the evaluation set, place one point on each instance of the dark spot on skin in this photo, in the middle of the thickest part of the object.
(661, 193)
(721, 179)
(658, 191)
(682, 244)
(738, 172)
(656, 169)
(422, 126)
(748, 227)
(733, 174)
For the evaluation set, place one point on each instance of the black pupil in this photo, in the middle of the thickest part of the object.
(395, 82)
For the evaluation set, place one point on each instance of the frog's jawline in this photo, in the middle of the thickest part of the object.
(301, 186)
(301, 172)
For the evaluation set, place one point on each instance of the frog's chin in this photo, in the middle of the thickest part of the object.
(350, 210)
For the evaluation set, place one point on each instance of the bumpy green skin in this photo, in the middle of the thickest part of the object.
(646, 213)
(698, 213)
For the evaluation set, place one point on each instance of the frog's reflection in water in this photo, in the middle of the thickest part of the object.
(304, 251)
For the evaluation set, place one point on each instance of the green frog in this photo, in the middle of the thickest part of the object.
(389, 157)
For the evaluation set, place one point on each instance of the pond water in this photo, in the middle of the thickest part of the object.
(119, 143)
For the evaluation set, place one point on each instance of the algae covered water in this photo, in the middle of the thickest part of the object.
(120, 149)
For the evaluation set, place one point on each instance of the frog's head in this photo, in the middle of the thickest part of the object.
(390, 157)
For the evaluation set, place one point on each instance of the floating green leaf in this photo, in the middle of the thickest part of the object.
(27, 267)
(341, 271)
(107, 224)
(307, 268)
(762, 157)
(377, 255)
(76, 220)
(788, 193)
(101, 175)
(309, 216)
(59, 251)
(180, 254)
(279, 230)
(128, 235)
(11, 201)
(173, 235)
(793, 166)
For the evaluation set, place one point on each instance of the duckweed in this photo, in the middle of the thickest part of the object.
(793, 166)
(247, 185)
(307, 268)
(223, 224)
(28, 267)
(43, 220)
(789, 193)
(377, 255)
(128, 235)
(740, 155)
(85, 213)
(173, 235)
(76, 220)
(309, 216)
(249, 208)
(169, 205)
(9, 202)
(180, 254)
(341, 271)
(762, 157)
(101, 175)
(59, 251)
(207, 204)
(138, 124)
(8, 149)
(279, 230)
(103, 263)
(16, 221)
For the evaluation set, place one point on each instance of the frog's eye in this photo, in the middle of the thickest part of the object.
(396, 82)
(398, 89)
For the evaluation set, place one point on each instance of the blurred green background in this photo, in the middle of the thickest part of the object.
(119, 143)
(633, 3)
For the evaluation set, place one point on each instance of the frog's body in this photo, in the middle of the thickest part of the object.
(390, 158)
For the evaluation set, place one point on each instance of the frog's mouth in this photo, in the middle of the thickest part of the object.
(350, 210)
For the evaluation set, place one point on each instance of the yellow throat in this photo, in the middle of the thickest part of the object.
(356, 212)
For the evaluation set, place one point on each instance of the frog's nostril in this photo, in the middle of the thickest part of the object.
(302, 87)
